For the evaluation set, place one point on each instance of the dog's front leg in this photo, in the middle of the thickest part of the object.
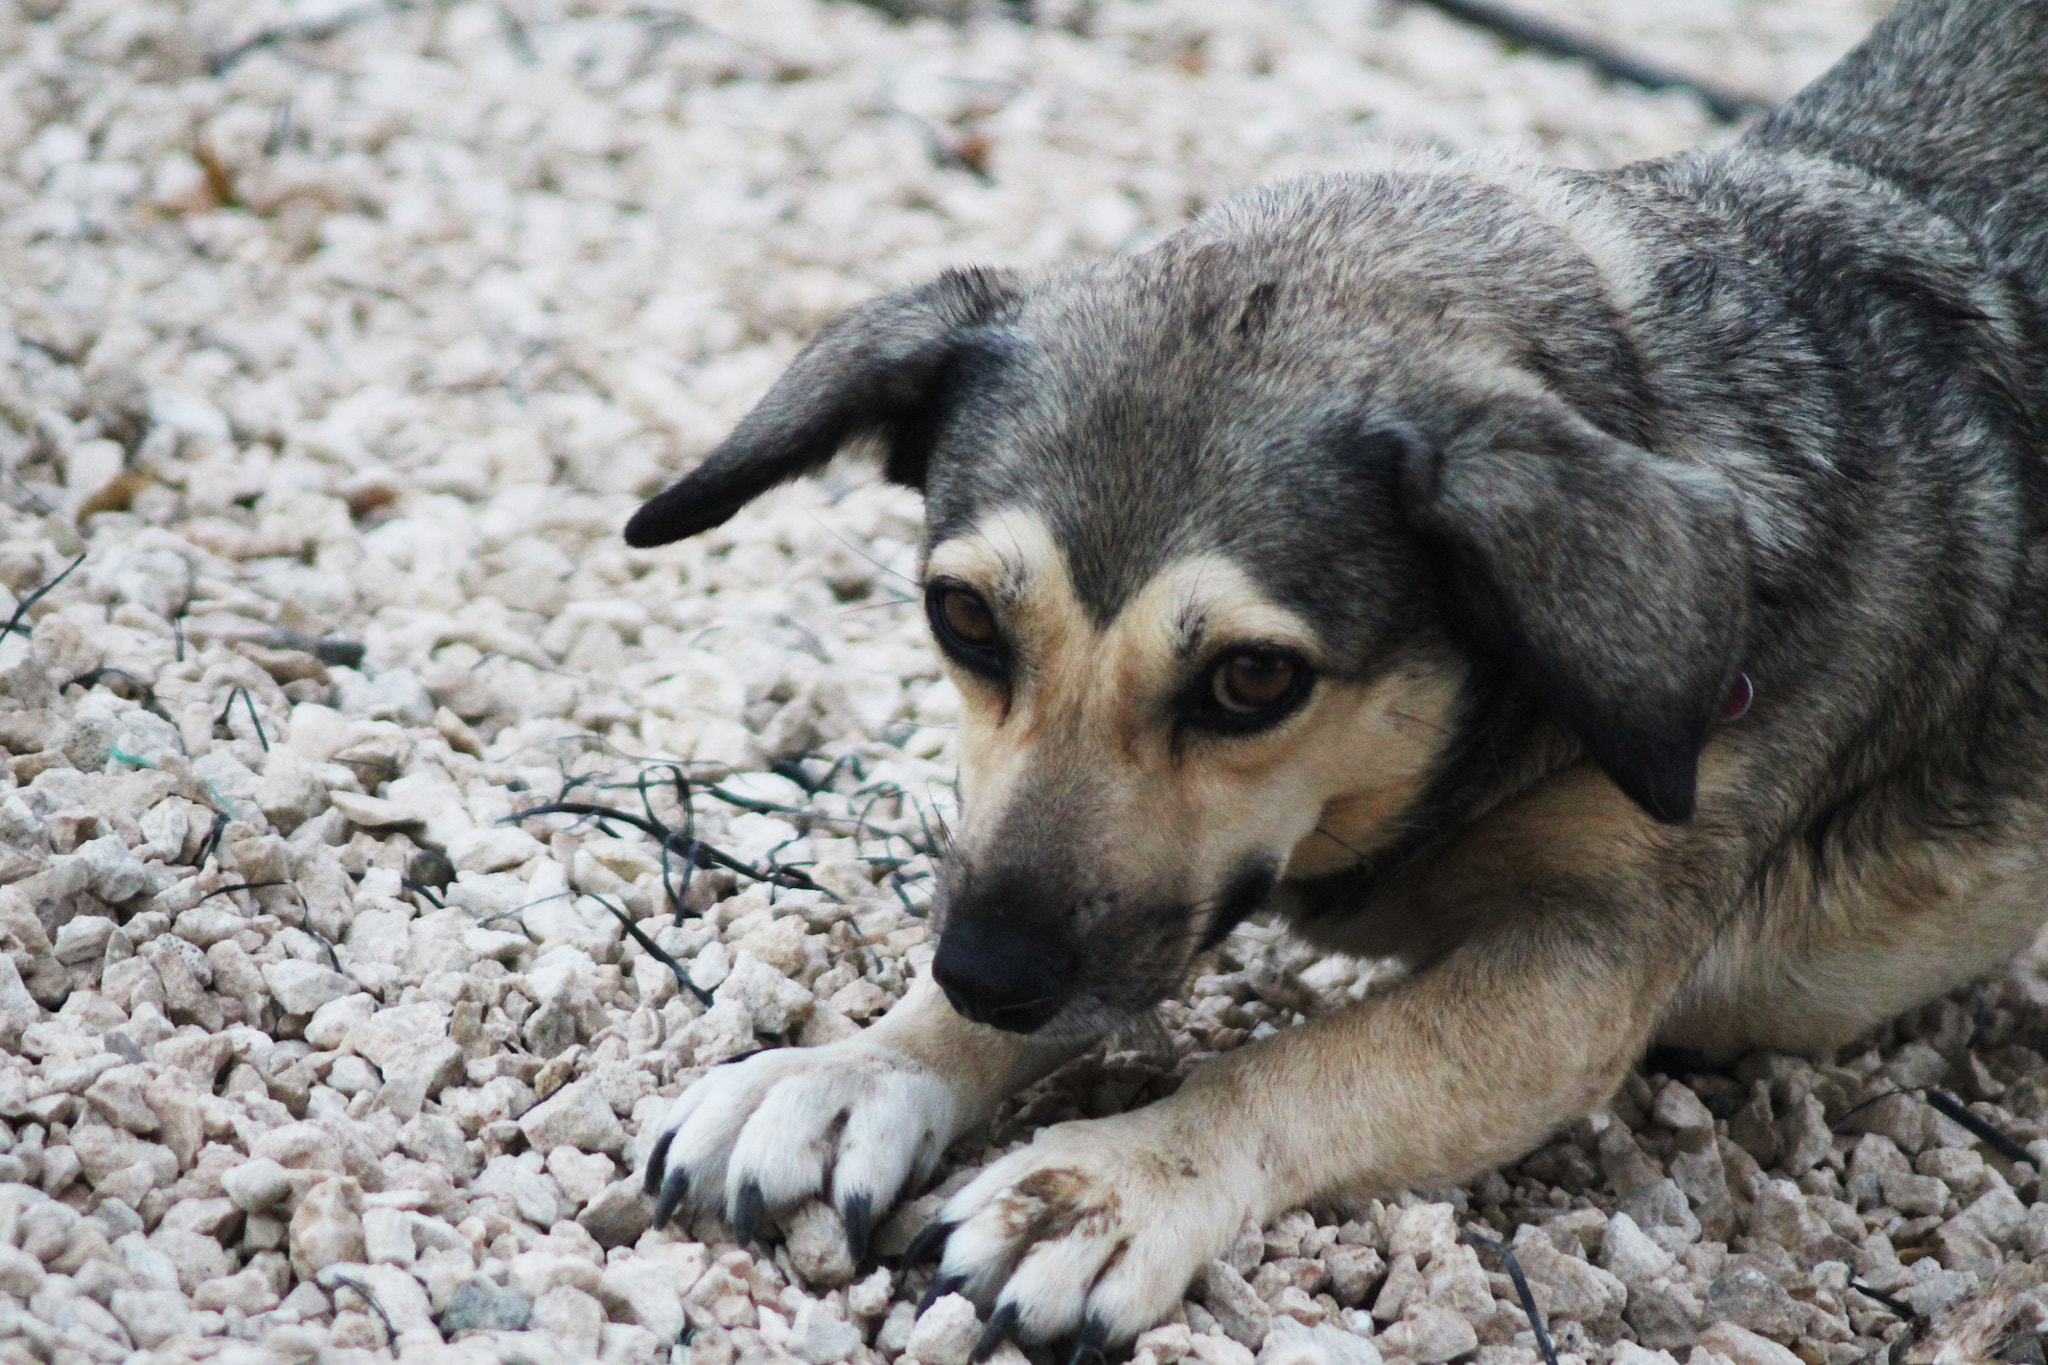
(855, 1121)
(1097, 1227)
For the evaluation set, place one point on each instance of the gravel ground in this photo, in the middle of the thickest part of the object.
(339, 340)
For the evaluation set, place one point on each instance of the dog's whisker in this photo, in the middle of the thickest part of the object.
(1350, 848)
(906, 578)
(1399, 714)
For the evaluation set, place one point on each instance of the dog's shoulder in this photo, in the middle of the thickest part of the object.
(1947, 100)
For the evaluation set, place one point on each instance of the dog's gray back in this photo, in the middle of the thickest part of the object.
(1949, 100)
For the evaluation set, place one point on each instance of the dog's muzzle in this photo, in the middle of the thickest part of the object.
(1006, 974)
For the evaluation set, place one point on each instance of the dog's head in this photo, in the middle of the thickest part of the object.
(1217, 536)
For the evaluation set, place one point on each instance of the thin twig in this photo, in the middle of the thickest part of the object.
(357, 1287)
(657, 952)
(1898, 1306)
(92, 678)
(1476, 1239)
(239, 886)
(311, 31)
(212, 843)
(324, 942)
(249, 703)
(14, 622)
(1948, 1106)
(1729, 106)
(696, 849)
(518, 910)
(669, 888)
(422, 889)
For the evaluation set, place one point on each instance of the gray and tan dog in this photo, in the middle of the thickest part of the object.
(1400, 550)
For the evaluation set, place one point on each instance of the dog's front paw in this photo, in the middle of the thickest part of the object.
(853, 1122)
(1092, 1232)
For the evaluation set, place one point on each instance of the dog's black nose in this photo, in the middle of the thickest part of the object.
(1010, 975)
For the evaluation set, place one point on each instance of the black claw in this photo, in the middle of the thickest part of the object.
(858, 1214)
(1088, 1343)
(747, 1208)
(675, 1188)
(941, 1286)
(651, 1182)
(995, 1334)
(927, 1245)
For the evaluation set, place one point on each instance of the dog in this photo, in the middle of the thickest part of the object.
(1622, 596)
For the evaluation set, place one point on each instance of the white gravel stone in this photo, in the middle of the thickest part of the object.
(1423, 1231)
(1238, 1310)
(771, 1002)
(1291, 1343)
(818, 1250)
(945, 1333)
(303, 987)
(332, 1022)
(82, 939)
(1743, 1347)
(20, 1273)
(327, 1227)
(576, 1317)
(1428, 1334)
(151, 1316)
(387, 1236)
(645, 1291)
(1630, 1255)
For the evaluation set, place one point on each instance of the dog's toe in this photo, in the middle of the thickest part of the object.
(1055, 1285)
(1091, 1234)
(850, 1121)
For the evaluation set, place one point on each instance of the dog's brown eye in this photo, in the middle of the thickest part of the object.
(966, 629)
(1254, 681)
(967, 617)
(1252, 688)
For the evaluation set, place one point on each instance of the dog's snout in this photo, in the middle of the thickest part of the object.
(1007, 974)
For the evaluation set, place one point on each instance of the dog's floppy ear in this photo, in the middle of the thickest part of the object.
(1615, 582)
(874, 370)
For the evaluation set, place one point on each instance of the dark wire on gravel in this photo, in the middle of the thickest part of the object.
(703, 854)
(1478, 1240)
(1729, 106)
(656, 951)
(324, 942)
(1949, 1107)
(240, 886)
(254, 719)
(424, 892)
(92, 678)
(362, 1291)
(1901, 1308)
(14, 622)
(306, 31)
(488, 920)
(212, 843)
(688, 833)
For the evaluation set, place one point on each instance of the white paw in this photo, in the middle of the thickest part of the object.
(1092, 1232)
(852, 1122)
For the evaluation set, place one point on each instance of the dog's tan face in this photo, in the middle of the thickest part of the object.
(1250, 563)
(1132, 787)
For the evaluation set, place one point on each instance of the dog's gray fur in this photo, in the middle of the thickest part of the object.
(1606, 441)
